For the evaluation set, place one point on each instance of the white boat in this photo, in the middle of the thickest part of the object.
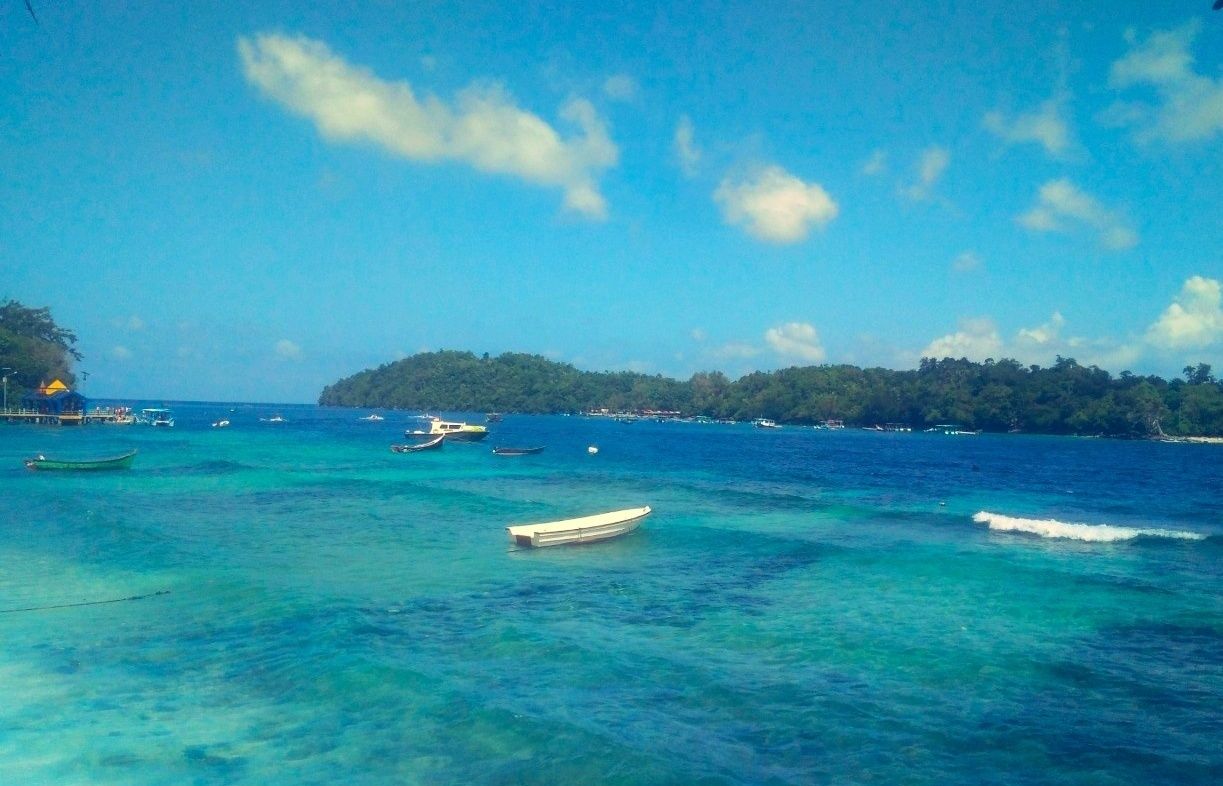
(157, 416)
(586, 529)
(372, 417)
(222, 423)
(765, 423)
(274, 419)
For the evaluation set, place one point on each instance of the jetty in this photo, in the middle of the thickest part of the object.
(55, 404)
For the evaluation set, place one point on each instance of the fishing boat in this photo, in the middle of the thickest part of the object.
(586, 529)
(41, 462)
(765, 423)
(460, 432)
(518, 451)
(432, 444)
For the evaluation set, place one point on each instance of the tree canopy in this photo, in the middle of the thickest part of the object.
(34, 347)
(1002, 395)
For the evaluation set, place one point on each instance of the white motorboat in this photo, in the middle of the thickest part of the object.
(586, 529)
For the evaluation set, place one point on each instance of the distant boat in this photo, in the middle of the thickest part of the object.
(518, 451)
(157, 416)
(953, 430)
(586, 529)
(274, 419)
(461, 432)
(493, 417)
(373, 417)
(432, 444)
(81, 465)
(765, 423)
(222, 423)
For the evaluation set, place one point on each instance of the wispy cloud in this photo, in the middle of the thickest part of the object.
(966, 262)
(735, 350)
(930, 168)
(620, 87)
(1190, 105)
(774, 205)
(1045, 125)
(686, 150)
(1194, 320)
(796, 339)
(877, 164)
(120, 353)
(287, 350)
(481, 126)
(1063, 207)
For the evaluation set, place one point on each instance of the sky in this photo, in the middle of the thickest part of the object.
(248, 201)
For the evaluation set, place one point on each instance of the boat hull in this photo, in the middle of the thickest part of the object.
(587, 529)
(517, 451)
(432, 444)
(89, 465)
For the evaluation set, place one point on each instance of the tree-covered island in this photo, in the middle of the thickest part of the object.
(1002, 395)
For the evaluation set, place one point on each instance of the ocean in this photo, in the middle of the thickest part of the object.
(292, 603)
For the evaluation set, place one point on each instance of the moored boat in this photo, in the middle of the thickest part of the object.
(432, 444)
(454, 431)
(518, 451)
(41, 462)
(586, 529)
(157, 416)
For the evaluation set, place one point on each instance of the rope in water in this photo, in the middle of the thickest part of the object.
(86, 603)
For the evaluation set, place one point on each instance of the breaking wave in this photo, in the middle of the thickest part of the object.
(1096, 533)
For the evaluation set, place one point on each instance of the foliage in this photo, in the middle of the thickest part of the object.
(1003, 395)
(34, 347)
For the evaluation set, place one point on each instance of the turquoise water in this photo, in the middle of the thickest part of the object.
(801, 607)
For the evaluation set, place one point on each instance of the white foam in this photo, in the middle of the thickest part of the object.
(1096, 533)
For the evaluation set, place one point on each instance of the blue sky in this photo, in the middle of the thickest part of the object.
(247, 201)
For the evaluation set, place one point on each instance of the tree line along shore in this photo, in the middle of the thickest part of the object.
(997, 396)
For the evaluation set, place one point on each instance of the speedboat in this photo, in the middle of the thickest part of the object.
(454, 431)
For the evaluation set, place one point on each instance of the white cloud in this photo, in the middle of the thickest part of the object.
(287, 350)
(120, 352)
(1194, 320)
(1044, 126)
(1190, 105)
(966, 262)
(1045, 334)
(775, 206)
(481, 127)
(620, 87)
(977, 339)
(930, 168)
(698, 334)
(686, 150)
(796, 339)
(876, 164)
(1062, 207)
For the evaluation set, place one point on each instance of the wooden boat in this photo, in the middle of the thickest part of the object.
(432, 444)
(580, 530)
(518, 451)
(81, 465)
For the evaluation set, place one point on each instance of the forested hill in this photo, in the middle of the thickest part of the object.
(1066, 398)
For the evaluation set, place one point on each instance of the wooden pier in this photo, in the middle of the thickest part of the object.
(120, 416)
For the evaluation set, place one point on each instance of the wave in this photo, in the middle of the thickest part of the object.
(1095, 533)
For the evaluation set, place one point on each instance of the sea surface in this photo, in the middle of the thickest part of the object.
(294, 604)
